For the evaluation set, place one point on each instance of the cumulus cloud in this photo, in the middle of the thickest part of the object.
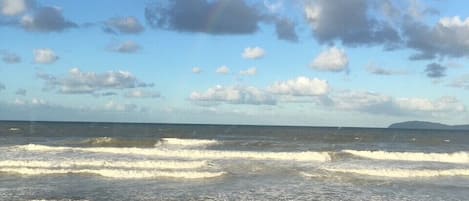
(447, 38)
(45, 56)
(126, 47)
(46, 19)
(223, 70)
(253, 53)
(138, 93)
(10, 58)
(219, 17)
(333, 59)
(124, 25)
(388, 24)
(248, 72)
(236, 17)
(78, 82)
(233, 95)
(435, 70)
(301, 86)
(15, 7)
(196, 70)
(349, 22)
(21, 92)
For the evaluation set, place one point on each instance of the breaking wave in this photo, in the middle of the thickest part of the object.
(456, 157)
(175, 142)
(147, 164)
(190, 153)
(401, 173)
(116, 173)
(186, 142)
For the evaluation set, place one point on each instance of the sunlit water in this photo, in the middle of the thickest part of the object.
(98, 161)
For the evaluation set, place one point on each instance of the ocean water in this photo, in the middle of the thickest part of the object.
(114, 161)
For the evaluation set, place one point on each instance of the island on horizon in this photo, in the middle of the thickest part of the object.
(427, 125)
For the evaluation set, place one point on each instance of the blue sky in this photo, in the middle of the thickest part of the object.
(276, 62)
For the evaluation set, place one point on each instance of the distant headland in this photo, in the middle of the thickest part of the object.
(427, 125)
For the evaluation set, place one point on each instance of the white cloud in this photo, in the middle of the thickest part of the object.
(233, 95)
(382, 104)
(196, 70)
(301, 86)
(443, 104)
(253, 53)
(19, 102)
(113, 106)
(90, 82)
(13, 7)
(127, 47)
(333, 59)
(45, 56)
(454, 22)
(138, 93)
(461, 82)
(273, 7)
(33, 102)
(249, 72)
(38, 101)
(223, 70)
(363, 101)
(127, 25)
(312, 15)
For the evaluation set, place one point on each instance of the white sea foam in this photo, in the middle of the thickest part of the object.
(187, 142)
(101, 140)
(147, 164)
(116, 173)
(456, 157)
(191, 154)
(401, 173)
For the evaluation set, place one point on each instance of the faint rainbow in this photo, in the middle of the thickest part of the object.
(214, 14)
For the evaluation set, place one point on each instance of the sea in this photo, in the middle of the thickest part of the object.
(79, 161)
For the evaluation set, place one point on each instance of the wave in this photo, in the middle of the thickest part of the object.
(116, 142)
(191, 153)
(401, 173)
(116, 173)
(158, 164)
(456, 157)
(186, 142)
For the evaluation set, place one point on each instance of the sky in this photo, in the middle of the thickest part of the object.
(365, 63)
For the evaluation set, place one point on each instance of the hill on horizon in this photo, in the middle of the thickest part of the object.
(427, 125)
